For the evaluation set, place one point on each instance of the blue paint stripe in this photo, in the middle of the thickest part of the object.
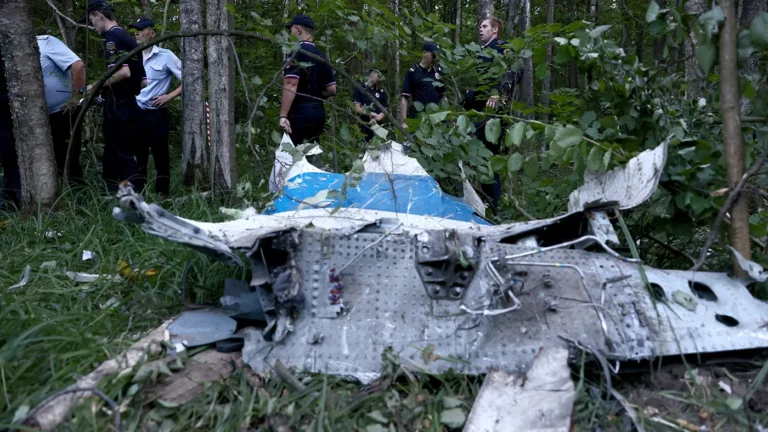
(417, 195)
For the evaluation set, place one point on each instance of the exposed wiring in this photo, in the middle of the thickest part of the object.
(605, 247)
(385, 235)
(494, 312)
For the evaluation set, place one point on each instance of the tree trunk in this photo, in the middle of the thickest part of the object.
(146, 8)
(510, 18)
(734, 151)
(484, 9)
(527, 93)
(221, 93)
(660, 42)
(457, 37)
(194, 159)
(750, 9)
(394, 104)
(26, 94)
(692, 72)
(546, 84)
(573, 75)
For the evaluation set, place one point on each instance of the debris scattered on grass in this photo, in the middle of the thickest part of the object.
(79, 277)
(24, 280)
(88, 255)
(48, 265)
(725, 387)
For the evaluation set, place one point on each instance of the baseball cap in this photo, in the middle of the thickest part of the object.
(431, 46)
(302, 20)
(142, 23)
(95, 6)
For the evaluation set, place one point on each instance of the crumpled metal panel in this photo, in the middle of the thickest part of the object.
(627, 186)
(568, 295)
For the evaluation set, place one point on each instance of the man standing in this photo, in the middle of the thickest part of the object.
(161, 65)
(64, 77)
(423, 82)
(302, 114)
(489, 95)
(369, 112)
(121, 112)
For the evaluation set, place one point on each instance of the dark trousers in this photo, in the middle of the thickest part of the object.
(493, 190)
(154, 138)
(11, 191)
(61, 125)
(307, 122)
(120, 135)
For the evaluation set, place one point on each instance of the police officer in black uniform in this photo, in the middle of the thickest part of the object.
(363, 100)
(302, 114)
(491, 96)
(423, 82)
(121, 112)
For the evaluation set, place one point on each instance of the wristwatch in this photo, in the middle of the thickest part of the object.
(81, 90)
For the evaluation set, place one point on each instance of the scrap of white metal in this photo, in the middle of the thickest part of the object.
(412, 290)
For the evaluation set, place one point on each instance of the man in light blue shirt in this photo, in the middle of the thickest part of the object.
(64, 77)
(161, 66)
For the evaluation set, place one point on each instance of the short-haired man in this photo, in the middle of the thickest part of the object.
(423, 82)
(302, 114)
(64, 77)
(121, 112)
(161, 65)
(363, 100)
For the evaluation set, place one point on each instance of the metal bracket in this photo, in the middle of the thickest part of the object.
(446, 263)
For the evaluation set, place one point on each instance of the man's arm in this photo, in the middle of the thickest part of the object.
(403, 108)
(328, 91)
(77, 69)
(174, 65)
(290, 84)
(164, 99)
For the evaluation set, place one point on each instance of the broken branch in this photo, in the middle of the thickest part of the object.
(714, 232)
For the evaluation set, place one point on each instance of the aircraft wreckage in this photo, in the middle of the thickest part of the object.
(344, 266)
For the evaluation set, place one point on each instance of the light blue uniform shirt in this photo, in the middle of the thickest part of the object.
(55, 60)
(161, 66)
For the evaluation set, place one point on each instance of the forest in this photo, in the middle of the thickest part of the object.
(600, 82)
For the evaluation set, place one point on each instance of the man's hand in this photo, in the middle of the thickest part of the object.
(285, 125)
(492, 101)
(379, 117)
(161, 100)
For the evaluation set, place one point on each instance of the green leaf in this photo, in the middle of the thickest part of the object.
(167, 404)
(531, 166)
(465, 125)
(545, 162)
(598, 31)
(377, 417)
(438, 117)
(380, 131)
(561, 41)
(653, 12)
(454, 418)
(493, 130)
(419, 106)
(515, 162)
(346, 134)
(276, 137)
(498, 163)
(699, 204)
(745, 48)
(568, 136)
(517, 132)
(734, 403)
(758, 30)
(451, 402)
(607, 160)
(595, 159)
(706, 54)
(256, 80)
(518, 44)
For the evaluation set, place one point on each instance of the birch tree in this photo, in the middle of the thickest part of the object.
(194, 159)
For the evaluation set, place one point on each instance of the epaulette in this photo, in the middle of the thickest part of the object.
(43, 37)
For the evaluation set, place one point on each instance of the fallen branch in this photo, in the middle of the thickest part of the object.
(109, 401)
(66, 18)
(47, 416)
(714, 232)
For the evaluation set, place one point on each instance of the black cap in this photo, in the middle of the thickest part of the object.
(431, 46)
(142, 23)
(302, 20)
(95, 6)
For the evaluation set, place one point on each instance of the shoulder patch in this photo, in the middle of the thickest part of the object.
(111, 47)
(43, 37)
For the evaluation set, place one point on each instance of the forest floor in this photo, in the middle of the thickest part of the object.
(53, 330)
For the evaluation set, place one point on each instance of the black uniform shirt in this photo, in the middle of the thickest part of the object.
(419, 84)
(117, 42)
(365, 98)
(477, 99)
(313, 78)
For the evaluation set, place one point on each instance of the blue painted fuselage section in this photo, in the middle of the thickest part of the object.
(409, 194)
